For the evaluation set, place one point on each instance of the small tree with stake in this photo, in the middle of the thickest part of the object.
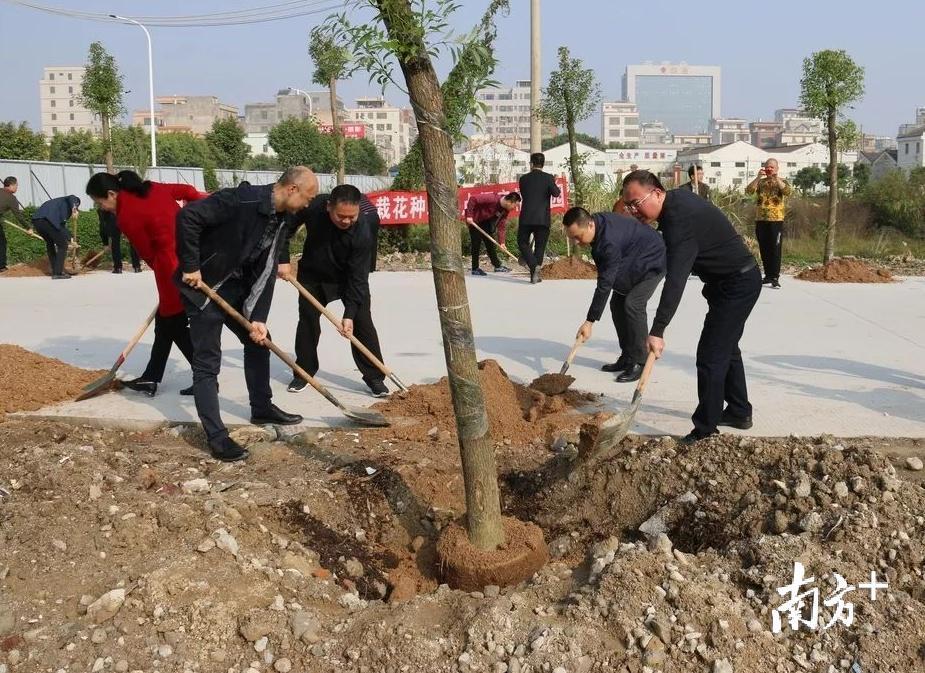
(400, 32)
(102, 91)
(831, 82)
(331, 60)
(572, 96)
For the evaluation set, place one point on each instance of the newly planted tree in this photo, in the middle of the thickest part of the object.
(831, 83)
(101, 93)
(331, 60)
(572, 96)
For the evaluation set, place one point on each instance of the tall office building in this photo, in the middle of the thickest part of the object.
(59, 97)
(683, 97)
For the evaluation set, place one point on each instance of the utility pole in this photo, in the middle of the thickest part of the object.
(536, 75)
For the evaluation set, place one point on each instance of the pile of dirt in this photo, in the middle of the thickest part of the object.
(133, 551)
(29, 381)
(39, 267)
(846, 270)
(517, 415)
(569, 268)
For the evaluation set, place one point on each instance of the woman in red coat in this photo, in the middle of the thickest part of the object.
(146, 213)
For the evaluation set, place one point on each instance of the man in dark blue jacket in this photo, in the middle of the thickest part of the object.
(231, 242)
(50, 221)
(630, 259)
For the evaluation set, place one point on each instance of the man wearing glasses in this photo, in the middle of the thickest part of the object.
(701, 240)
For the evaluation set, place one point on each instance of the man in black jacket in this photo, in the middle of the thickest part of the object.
(536, 188)
(630, 259)
(340, 242)
(111, 235)
(231, 242)
(700, 240)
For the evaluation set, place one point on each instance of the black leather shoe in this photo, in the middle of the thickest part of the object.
(738, 422)
(618, 366)
(631, 373)
(535, 276)
(149, 388)
(62, 276)
(228, 451)
(117, 270)
(693, 437)
(275, 416)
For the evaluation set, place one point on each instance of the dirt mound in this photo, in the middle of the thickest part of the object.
(22, 270)
(517, 415)
(846, 270)
(569, 268)
(29, 381)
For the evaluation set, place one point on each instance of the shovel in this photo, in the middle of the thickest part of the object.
(556, 384)
(356, 342)
(497, 245)
(364, 416)
(612, 431)
(102, 384)
(24, 230)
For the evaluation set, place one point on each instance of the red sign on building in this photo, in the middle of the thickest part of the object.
(353, 131)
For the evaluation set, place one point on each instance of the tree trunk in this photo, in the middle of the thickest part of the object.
(107, 141)
(480, 475)
(833, 190)
(338, 136)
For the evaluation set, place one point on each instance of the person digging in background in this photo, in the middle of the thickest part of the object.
(490, 213)
(111, 237)
(630, 259)
(9, 204)
(536, 188)
(50, 221)
(340, 242)
(772, 193)
(700, 240)
(146, 213)
(231, 242)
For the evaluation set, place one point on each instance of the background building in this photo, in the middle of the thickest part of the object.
(391, 129)
(619, 122)
(506, 116)
(291, 104)
(190, 114)
(683, 97)
(59, 91)
(729, 130)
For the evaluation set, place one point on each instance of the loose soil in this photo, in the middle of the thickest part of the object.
(319, 552)
(29, 381)
(846, 270)
(569, 268)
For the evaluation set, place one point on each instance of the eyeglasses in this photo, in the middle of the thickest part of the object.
(634, 205)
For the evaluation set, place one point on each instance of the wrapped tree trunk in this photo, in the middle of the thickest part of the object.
(483, 506)
(833, 189)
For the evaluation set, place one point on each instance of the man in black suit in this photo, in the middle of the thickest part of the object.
(231, 241)
(536, 188)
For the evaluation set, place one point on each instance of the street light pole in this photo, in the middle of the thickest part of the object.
(536, 132)
(150, 86)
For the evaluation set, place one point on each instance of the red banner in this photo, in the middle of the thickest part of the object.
(411, 207)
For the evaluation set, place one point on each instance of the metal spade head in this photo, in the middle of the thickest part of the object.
(366, 417)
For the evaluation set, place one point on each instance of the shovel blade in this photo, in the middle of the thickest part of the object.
(101, 385)
(366, 417)
(611, 432)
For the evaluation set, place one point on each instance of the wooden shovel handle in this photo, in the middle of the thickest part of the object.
(23, 230)
(280, 353)
(646, 371)
(321, 308)
(571, 354)
(140, 333)
(503, 249)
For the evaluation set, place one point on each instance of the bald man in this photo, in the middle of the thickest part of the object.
(231, 241)
(772, 193)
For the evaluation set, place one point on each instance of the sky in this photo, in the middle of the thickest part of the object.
(760, 47)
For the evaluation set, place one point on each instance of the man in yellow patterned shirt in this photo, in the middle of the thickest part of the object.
(769, 218)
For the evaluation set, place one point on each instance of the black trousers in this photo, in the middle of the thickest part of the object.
(533, 255)
(115, 247)
(308, 332)
(206, 335)
(770, 235)
(168, 331)
(56, 241)
(630, 319)
(2, 246)
(476, 238)
(720, 372)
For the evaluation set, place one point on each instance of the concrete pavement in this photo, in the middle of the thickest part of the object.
(842, 359)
